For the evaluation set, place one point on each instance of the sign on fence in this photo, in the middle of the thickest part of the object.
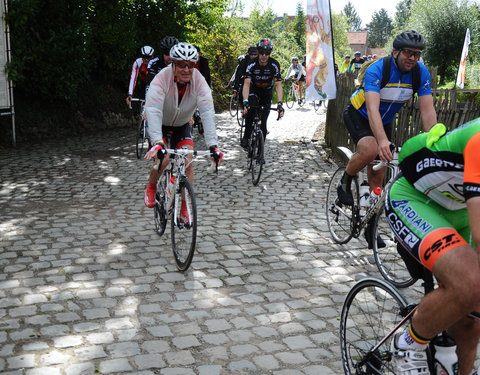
(320, 79)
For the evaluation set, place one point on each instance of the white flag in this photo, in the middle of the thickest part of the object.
(463, 61)
(320, 79)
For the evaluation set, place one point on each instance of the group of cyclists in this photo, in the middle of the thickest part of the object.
(433, 207)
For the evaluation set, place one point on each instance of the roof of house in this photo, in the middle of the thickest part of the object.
(357, 37)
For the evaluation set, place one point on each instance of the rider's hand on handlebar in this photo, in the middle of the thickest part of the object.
(246, 106)
(129, 101)
(384, 150)
(157, 150)
(280, 110)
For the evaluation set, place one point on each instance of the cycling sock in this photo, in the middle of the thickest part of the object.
(152, 185)
(411, 340)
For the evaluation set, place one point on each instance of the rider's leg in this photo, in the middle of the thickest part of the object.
(300, 89)
(466, 333)
(366, 152)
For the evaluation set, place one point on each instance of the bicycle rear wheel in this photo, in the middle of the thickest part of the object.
(142, 138)
(184, 224)
(159, 213)
(257, 158)
(371, 311)
(341, 218)
(388, 260)
(233, 106)
(290, 99)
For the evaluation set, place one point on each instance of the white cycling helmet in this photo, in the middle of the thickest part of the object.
(147, 51)
(184, 52)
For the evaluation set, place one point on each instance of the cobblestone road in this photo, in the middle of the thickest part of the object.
(88, 287)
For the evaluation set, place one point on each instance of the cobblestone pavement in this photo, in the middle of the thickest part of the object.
(87, 286)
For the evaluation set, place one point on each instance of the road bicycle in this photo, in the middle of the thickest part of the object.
(142, 138)
(373, 312)
(256, 144)
(175, 199)
(345, 221)
(293, 95)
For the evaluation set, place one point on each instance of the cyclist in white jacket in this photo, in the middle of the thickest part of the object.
(297, 71)
(173, 96)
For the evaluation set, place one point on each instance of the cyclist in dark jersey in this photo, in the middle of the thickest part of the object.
(261, 75)
(434, 210)
(240, 71)
(157, 64)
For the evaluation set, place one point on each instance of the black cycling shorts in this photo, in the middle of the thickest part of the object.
(177, 136)
(359, 126)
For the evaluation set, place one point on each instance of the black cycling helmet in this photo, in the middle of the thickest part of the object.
(409, 39)
(252, 49)
(265, 45)
(167, 43)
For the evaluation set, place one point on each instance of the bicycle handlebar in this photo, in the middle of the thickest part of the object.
(184, 152)
(261, 107)
(135, 100)
(393, 163)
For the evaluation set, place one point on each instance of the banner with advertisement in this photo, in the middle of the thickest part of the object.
(320, 80)
(463, 61)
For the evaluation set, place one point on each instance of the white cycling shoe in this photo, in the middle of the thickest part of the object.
(409, 362)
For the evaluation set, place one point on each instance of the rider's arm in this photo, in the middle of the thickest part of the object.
(287, 76)
(154, 104)
(279, 91)
(471, 185)
(372, 101)
(204, 101)
(246, 88)
(427, 110)
(133, 77)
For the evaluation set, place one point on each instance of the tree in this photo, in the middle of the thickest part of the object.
(443, 24)
(340, 28)
(353, 18)
(379, 29)
(402, 15)
(299, 26)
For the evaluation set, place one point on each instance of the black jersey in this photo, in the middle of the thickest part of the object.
(263, 77)
(154, 67)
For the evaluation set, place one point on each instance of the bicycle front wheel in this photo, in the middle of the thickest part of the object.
(257, 158)
(184, 225)
(340, 217)
(370, 313)
(241, 123)
(142, 138)
(290, 98)
(388, 260)
(159, 212)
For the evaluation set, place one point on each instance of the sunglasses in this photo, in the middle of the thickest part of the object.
(264, 53)
(183, 65)
(409, 53)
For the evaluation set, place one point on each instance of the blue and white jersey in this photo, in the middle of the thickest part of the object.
(396, 92)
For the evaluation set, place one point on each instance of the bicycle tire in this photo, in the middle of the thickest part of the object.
(340, 217)
(370, 312)
(389, 262)
(242, 129)
(290, 98)
(239, 114)
(233, 105)
(257, 158)
(184, 234)
(141, 138)
(159, 213)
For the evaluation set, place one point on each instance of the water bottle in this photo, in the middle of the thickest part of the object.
(374, 195)
(364, 191)
(446, 360)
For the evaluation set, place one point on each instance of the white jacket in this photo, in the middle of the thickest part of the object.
(162, 106)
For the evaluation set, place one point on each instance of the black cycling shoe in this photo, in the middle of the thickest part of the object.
(244, 144)
(345, 197)
(380, 242)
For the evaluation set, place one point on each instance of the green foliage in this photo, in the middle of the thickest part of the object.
(299, 26)
(353, 18)
(443, 24)
(340, 27)
(402, 15)
(379, 28)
